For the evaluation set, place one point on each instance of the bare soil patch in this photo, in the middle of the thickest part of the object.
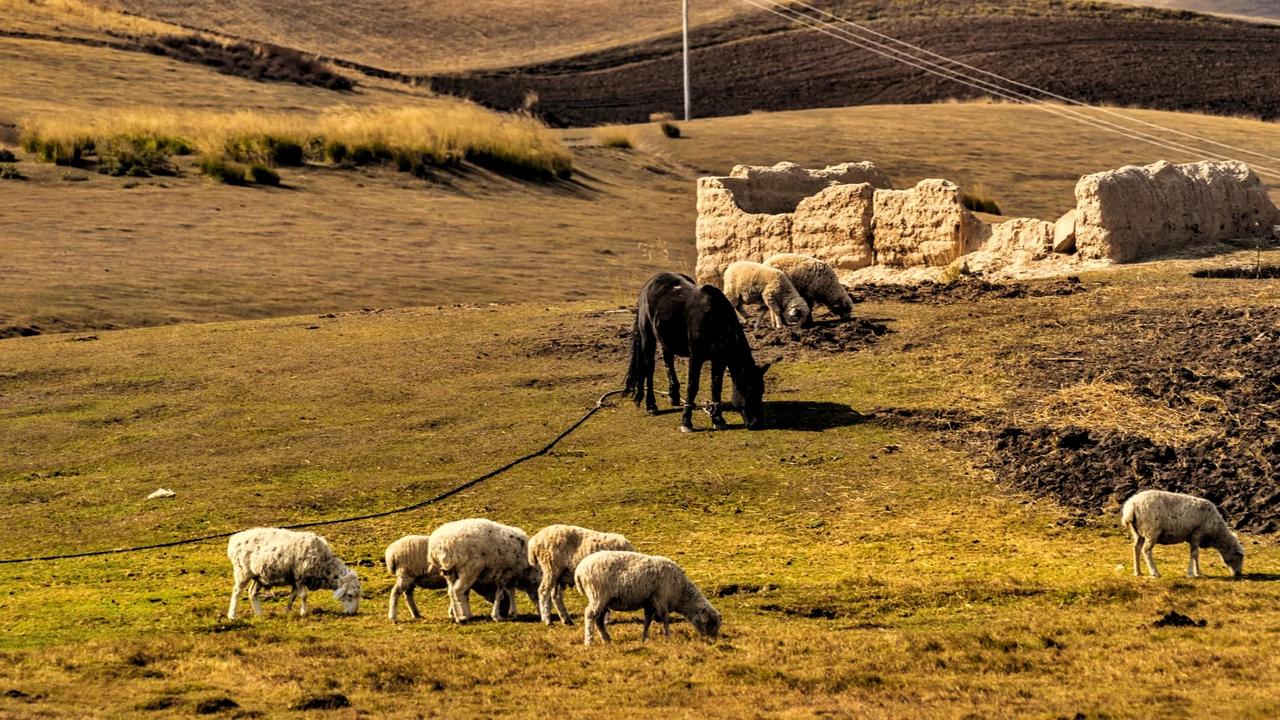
(834, 336)
(1100, 55)
(966, 290)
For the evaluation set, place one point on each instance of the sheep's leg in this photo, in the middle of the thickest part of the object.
(593, 615)
(302, 599)
(1137, 555)
(503, 611)
(254, 587)
(1193, 566)
(546, 591)
(717, 385)
(561, 610)
(648, 620)
(673, 382)
(1149, 554)
(775, 311)
(691, 392)
(413, 606)
(666, 624)
(460, 595)
(236, 589)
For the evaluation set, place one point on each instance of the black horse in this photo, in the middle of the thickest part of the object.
(698, 323)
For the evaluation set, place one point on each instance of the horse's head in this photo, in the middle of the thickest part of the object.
(748, 394)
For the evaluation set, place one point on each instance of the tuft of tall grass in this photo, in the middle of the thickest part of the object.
(412, 138)
(614, 136)
(979, 200)
(9, 171)
(670, 129)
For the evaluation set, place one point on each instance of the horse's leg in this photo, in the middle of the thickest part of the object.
(673, 382)
(717, 384)
(650, 402)
(691, 391)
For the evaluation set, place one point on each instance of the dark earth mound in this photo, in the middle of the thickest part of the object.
(1223, 364)
(965, 290)
(834, 336)
(1240, 272)
(1173, 618)
(1089, 52)
(263, 62)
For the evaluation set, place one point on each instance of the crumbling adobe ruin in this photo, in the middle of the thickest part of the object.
(850, 216)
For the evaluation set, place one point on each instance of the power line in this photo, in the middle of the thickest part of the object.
(1055, 96)
(336, 521)
(987, 87)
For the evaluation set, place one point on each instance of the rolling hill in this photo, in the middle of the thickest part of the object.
(1264, 10)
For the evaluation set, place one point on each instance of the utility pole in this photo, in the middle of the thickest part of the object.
(687, 104)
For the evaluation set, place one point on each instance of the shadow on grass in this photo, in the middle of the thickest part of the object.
(811, 416)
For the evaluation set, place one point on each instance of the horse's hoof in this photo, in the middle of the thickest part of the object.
(686, 428)
(651, 411)
(720, 425)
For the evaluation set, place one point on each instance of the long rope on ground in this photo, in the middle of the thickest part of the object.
(336, 521)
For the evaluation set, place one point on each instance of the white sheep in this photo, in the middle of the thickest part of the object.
(620, 580)
(467, 552)
(409, 560)
(1156, 517)
(557, 550)
(750, 283)
(267, 557)
(816, 282)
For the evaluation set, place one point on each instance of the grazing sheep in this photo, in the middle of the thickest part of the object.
(467, 552)
(816, 282)
(267, 557)
(620, 580)
(1156, 517)
(408, 559)
(750, 283)
(557, 550)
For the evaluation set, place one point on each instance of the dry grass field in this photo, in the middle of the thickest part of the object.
(432, 37)
(360, 338)
(855, 578)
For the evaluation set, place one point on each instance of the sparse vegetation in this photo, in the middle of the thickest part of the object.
(9, 171)
(978, 199)
(262, 175)
(670, 130)
(615, 136)
(412, 138)
(257, 61)
(221, 170)
(6, 155)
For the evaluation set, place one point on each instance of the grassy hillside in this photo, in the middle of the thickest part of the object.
(433, 37)
(164, 250)
(1251, 9)
(854, 577)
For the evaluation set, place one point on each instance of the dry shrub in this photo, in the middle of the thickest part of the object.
(615, 136)
(411, 137)
(257, 61)
(978, 199)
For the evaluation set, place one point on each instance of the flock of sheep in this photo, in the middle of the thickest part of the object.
(497, 560)
(493, 559)
(788, 285)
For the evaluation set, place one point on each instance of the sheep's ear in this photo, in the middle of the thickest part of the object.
(337, 594)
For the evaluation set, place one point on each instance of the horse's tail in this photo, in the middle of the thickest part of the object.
(636, 370)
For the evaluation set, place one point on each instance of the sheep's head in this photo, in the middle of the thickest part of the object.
(843, 307)
(348, 592)
(1233, 555)
(530, 579)
(748, 394)
(706, 621)
(797, 311)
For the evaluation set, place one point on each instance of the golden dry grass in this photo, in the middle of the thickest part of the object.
(1115, 407)
(77, 16)
(1257, 10)
(443, 133)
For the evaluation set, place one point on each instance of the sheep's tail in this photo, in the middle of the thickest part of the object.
(634, 386)
(1127, 516)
